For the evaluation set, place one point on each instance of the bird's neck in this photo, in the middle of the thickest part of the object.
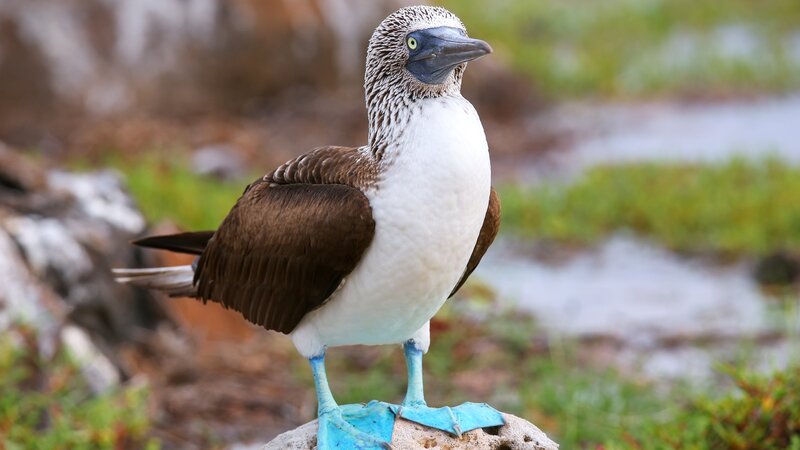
(389, 112)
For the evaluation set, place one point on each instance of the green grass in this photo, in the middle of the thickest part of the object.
(622, 47)
(171, 191)
(46, 404)
(736, 208)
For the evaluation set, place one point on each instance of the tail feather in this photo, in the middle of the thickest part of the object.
(193, 242)
(175, 281)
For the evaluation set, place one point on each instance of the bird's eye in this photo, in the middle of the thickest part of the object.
(412, 43)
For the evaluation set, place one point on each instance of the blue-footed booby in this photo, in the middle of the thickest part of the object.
(362, 246)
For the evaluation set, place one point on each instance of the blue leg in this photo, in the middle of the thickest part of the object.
(415, 393)
(360, 427)
(456, 420)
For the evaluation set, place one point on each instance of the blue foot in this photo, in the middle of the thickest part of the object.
(362, 427)
(456, 420)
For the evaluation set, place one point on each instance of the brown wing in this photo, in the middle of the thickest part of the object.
(289, 241)
(491, 223)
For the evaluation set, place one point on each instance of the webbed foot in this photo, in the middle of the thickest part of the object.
(456, 420)
(362, 427)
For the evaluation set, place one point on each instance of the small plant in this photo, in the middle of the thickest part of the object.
(762, 413)
(46, 404)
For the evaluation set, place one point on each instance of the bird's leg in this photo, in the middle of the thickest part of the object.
(334, 431)
(415, 393)
(456, 420)
(325, 401)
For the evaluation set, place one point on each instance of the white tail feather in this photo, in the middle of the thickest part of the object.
(173, 281)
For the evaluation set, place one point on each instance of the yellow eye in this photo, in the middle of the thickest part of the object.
(412, 43)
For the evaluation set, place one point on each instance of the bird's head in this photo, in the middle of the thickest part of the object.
(420, 51)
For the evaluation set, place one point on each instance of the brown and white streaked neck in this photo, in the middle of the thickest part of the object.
(416, 53)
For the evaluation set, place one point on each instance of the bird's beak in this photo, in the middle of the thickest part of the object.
(439, 50)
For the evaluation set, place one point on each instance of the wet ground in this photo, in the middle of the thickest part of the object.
(666, 315)
(592, 134)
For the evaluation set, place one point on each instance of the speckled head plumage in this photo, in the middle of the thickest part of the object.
(388, 51)
(417, 52)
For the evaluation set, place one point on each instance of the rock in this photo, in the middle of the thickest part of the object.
(60, 235)
(104, 57)
(516, 434)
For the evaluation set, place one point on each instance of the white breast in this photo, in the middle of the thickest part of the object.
(428, 208)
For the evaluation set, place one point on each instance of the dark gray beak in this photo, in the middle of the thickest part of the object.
(435, 52)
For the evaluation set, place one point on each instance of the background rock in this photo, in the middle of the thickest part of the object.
(60, 234)
(273, 79)
(98, 57)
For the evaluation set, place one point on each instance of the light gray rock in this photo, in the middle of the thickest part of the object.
(60, 235)
(516, 434)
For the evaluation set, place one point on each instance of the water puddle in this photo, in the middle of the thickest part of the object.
(601, 134)
(693, 133)
(667, 315)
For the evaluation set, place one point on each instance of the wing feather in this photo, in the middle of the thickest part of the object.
(284, 249)
(491, 224)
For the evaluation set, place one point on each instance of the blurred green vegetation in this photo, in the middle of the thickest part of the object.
(169, 190)
(761, 413)
(643, 47)
(46, 404)
(740, 207)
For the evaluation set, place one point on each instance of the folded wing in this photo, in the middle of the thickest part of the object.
(284, 249)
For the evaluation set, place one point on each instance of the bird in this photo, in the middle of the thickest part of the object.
(363, 245)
